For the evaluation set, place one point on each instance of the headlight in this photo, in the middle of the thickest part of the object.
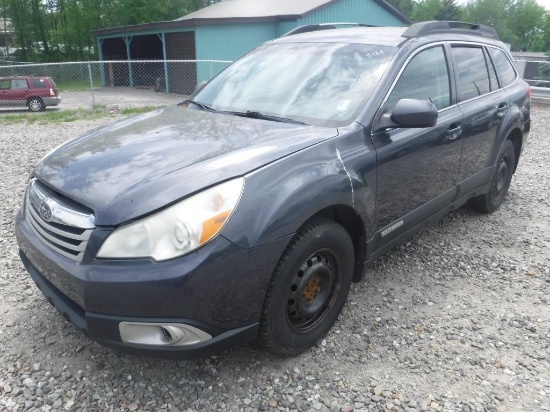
(177, 230)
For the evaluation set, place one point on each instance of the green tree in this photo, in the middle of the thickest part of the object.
(57, 30)
(546, 32)
(425, 10)
(406, 6)
(21, 16)
(449, 11)
(522, 23)
(493, 13)
(526, 22)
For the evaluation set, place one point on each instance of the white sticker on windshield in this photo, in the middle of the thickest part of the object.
(374, 54)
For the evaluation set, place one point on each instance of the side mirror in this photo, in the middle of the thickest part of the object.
(199, 87)
(409, 113)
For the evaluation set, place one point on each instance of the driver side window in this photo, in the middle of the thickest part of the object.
(426, 77)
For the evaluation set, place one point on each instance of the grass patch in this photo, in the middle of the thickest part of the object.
(67, 116)
(76, 84)
(128, 111)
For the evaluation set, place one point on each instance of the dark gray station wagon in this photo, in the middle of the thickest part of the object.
(247, 211)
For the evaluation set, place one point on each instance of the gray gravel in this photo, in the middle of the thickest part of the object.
(120, 96)
(455, 320)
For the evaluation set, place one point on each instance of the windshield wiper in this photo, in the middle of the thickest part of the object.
(258, 115)
(203, 106)
(249, 113)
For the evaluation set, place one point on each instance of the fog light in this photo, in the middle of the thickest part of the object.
(161, 334)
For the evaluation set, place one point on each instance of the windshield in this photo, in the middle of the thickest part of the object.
(322, 84)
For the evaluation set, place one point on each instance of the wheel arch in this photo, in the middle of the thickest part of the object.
(35, 97)
(347, 217)
(510, 129)
(516, 137)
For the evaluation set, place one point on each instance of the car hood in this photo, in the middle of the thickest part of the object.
(141, 164)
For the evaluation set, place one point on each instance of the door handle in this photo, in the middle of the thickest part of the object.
(454, 132)
(502, 108)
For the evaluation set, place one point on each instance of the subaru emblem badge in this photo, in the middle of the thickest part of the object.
(45, 210)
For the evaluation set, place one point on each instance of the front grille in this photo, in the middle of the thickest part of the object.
(59, 226)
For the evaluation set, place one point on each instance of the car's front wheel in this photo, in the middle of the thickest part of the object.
(35, 104)
(308, 289)
(500, 182)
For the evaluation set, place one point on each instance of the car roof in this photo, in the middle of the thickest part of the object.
(24, 77)
(384, 36)
(425, 32)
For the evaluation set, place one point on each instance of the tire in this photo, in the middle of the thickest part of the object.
(35, 104)
(500, 181)
(308, 289)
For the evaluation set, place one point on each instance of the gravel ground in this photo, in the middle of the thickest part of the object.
(455, 320)
(120, 96)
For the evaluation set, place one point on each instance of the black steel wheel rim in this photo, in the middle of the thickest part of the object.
(501, 178)
(313, 290)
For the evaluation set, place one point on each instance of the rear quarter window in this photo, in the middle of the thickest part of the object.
(19, 84)
(504, 67)
(39, 84)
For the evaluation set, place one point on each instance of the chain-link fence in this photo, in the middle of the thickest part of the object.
(536, 73)
(159, 82)
(133, 82)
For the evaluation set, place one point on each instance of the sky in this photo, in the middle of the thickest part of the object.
(544, 3)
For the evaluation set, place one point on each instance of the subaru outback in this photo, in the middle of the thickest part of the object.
(246, 212)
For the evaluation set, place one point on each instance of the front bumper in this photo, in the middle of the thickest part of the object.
(218, 289)
(105, 329)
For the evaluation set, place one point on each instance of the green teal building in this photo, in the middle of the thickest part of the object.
(223, 31)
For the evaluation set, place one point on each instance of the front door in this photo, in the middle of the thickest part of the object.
(5, 86)
(417, 169)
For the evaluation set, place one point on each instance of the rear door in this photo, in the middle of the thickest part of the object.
(18, 92)
(484, 104)
(417, 168)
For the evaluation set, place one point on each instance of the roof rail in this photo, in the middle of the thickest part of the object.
(431, 27)
(321, 26)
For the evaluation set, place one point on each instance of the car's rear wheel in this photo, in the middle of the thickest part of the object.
(35, 104)
(500, 182)
(308, 289)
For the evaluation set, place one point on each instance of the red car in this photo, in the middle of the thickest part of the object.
(34, 92)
